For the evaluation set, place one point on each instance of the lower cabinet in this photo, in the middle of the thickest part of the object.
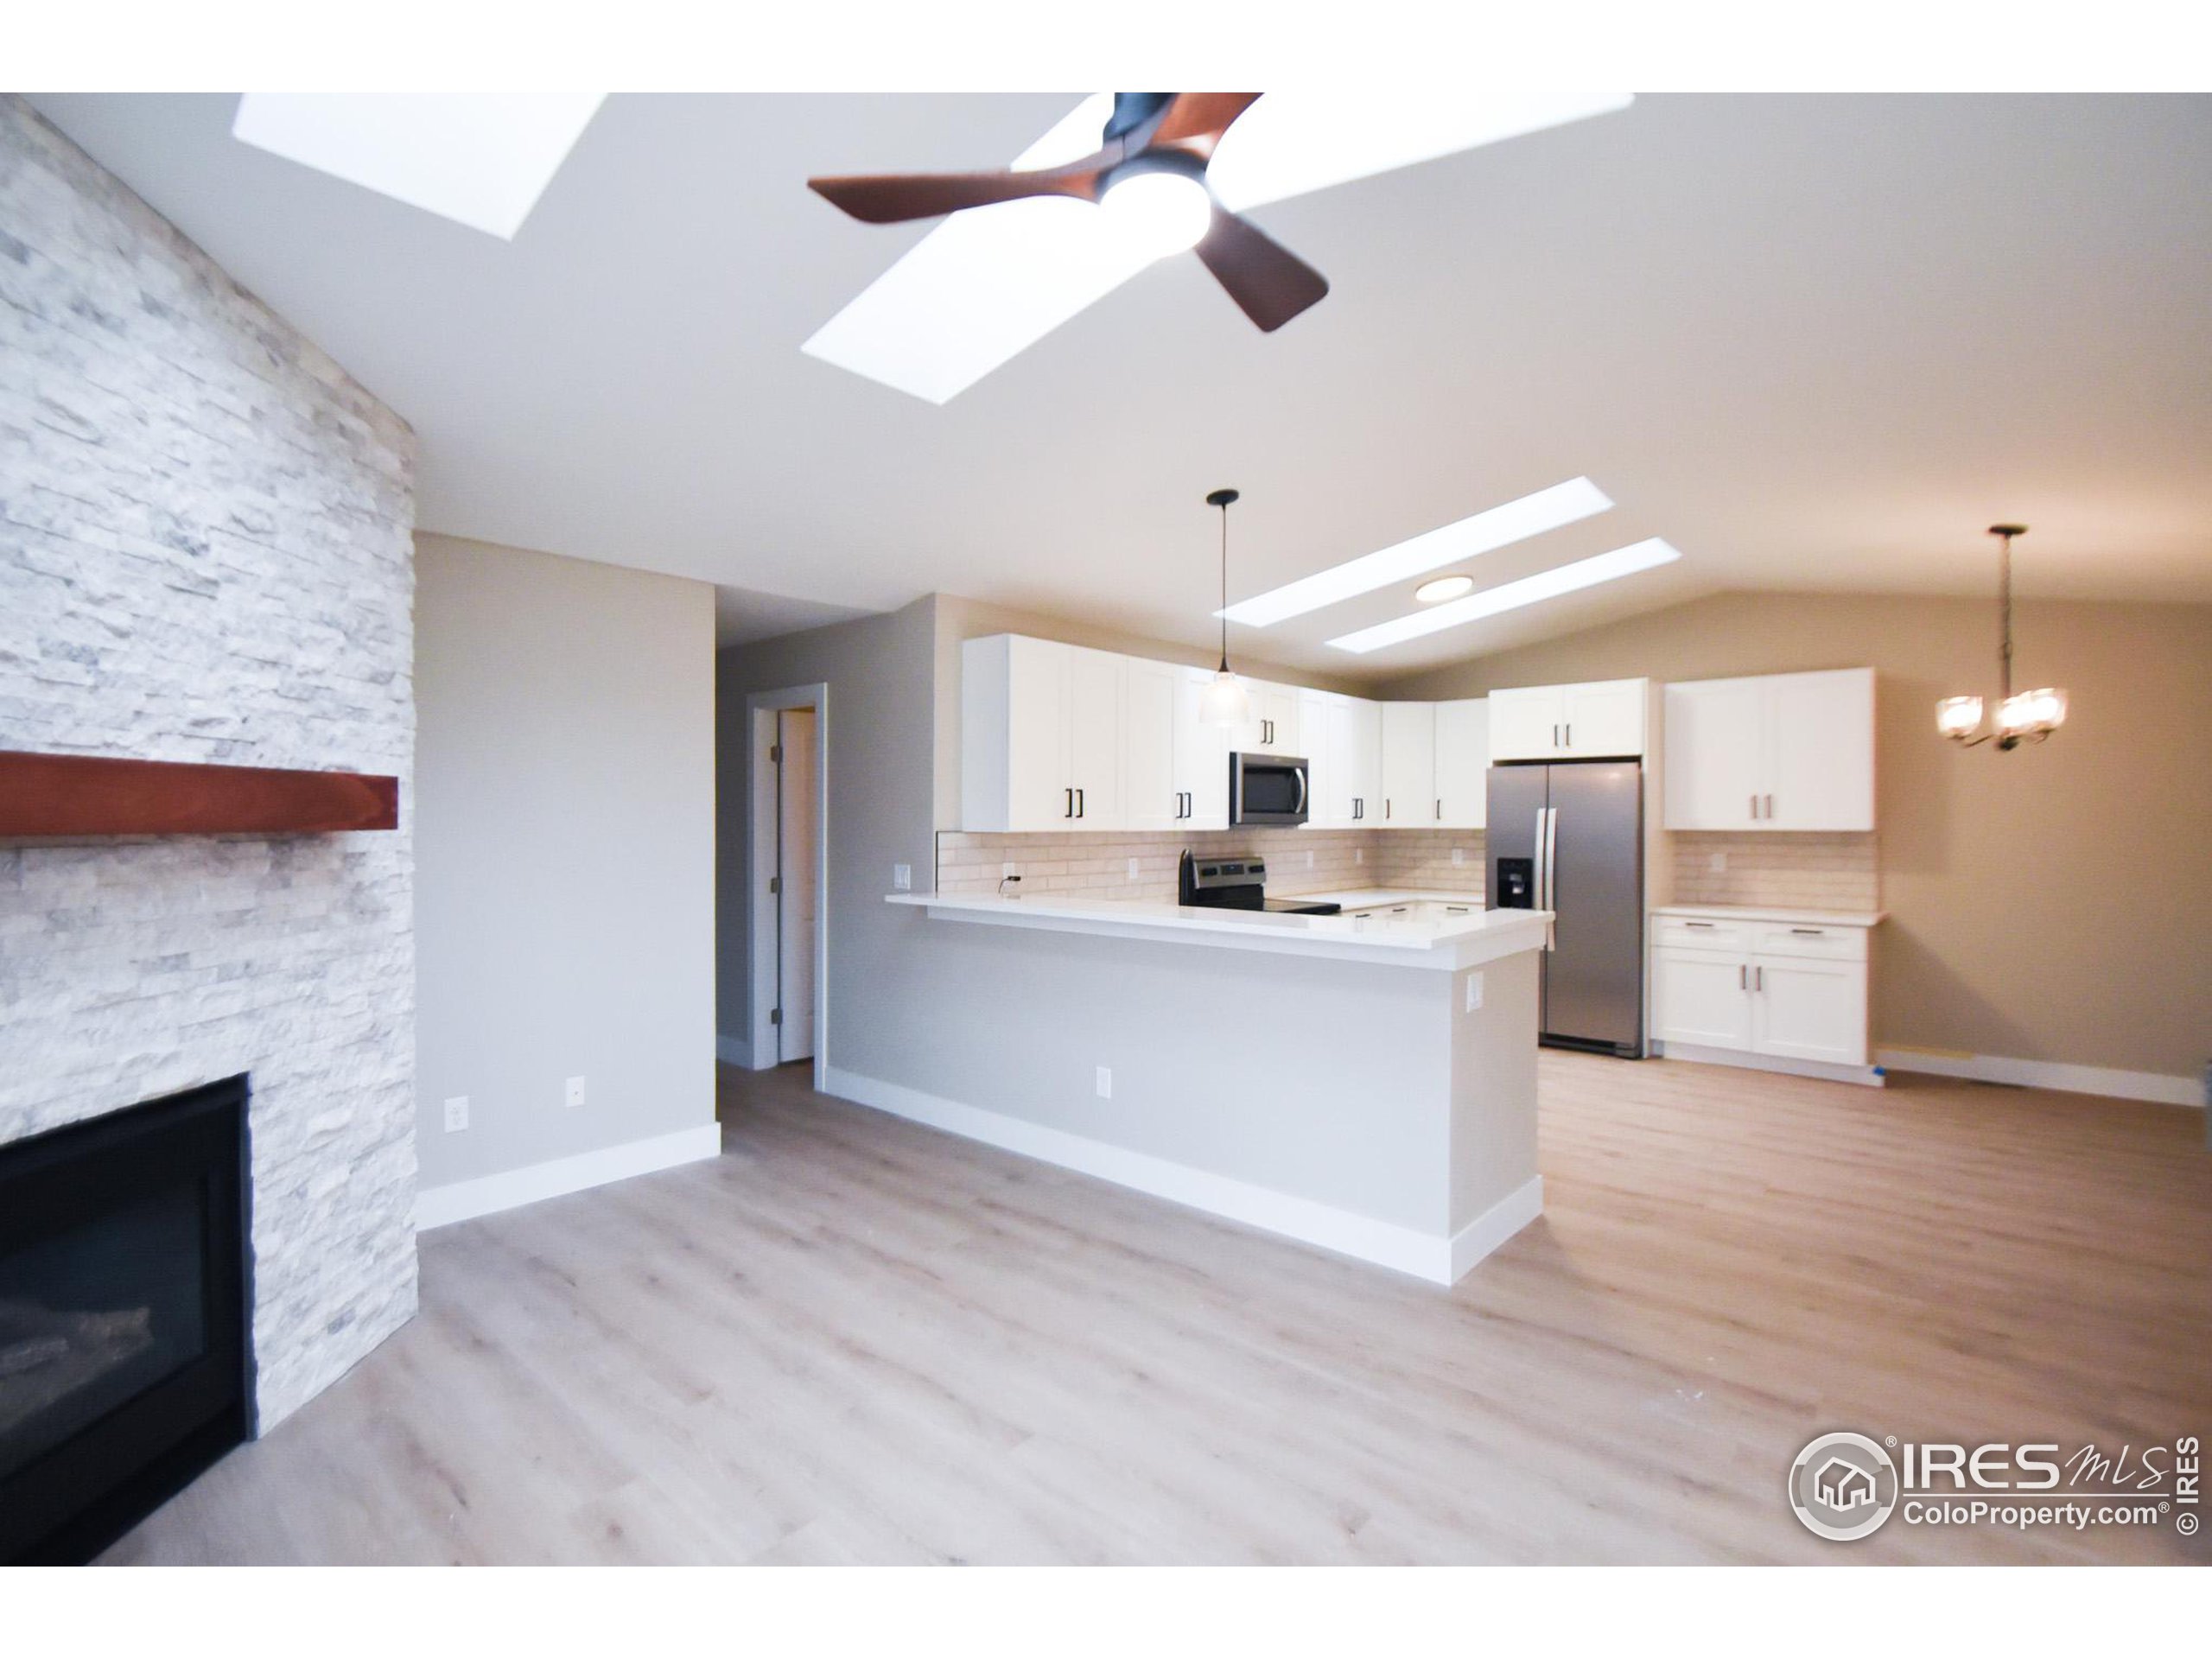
(1779, 987)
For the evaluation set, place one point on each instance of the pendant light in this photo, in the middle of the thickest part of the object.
(2021, 715)
(1225, 703)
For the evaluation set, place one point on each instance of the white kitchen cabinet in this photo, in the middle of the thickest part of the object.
(1587, 720)
(1274, 727)
(1152, 713)
(1408, 791)
(1201, 756)
(1772, 751)
(1462, 763)
(1350, 783)
(1040, 734)
(1787, 990)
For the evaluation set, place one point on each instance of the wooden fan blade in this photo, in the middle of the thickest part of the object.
(1271, 283)
(1197, 120)
(893, 198)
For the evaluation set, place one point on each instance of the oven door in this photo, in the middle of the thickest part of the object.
(1267, 789)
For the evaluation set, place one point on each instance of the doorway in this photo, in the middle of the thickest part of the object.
(788, 871)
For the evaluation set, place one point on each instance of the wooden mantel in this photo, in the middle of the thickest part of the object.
(92, 795)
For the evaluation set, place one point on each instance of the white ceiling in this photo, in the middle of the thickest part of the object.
(1814, 342)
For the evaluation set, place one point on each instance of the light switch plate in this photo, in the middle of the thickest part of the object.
(1133, 869)
(575, 1091)
(1459, 856)
(1474, 991)
(456, 1113)
(902, 878)
(1719, 862)
(1105, 1082)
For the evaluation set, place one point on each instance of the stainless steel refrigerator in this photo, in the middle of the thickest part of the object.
(1567, 837)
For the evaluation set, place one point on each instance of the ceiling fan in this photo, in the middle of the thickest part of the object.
(1124, 180)
(1149, 176)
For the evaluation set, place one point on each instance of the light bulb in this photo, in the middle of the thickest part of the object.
(1224, 701)
(1158, 213)
(1959, 717)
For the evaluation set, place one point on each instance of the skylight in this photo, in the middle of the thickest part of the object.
(1512, 595)
(481, 159)
(1496, 527)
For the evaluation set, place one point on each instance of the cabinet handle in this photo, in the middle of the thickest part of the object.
(1811, 932)
(1743, 977)
(1555, 734)
(1770, 807)
(1385, 806)
(1570, 734)
(1758, 979)
(1698, 924)
(1755, 806)
(1078, 803)
(1070, 811)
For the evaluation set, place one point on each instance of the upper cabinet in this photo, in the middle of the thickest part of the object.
(1041, 727)
(1408, 790)
(1773, 752)
(1273, 727)
(1462, 764)
(1342, 739)
(1593, 720)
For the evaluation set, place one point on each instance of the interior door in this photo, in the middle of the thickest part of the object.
(1716, 749)
(797, 901)
(1593, 990)
(1462, 762)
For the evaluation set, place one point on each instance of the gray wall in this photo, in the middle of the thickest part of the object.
(565, 855)
(205, 556)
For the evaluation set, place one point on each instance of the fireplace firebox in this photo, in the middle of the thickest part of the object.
(125, 1357)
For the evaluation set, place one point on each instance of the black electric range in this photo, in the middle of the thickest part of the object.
(1238, 883)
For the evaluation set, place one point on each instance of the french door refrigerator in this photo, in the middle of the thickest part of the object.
(1567, 837)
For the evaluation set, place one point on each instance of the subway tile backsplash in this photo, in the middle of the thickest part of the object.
(1099, 864)
(1790, 871)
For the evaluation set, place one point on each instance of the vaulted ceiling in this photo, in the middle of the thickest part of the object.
(1815, 342)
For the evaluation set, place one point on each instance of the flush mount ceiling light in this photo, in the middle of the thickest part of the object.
(2022, 716)
(481, 159)
(1019, 257)
(1224, 701)
(1512, 595)
(1444, 588)
(1499, 527)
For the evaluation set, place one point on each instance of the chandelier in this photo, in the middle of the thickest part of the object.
(2021, 715)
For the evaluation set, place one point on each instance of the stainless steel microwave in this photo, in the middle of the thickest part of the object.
(1268, 789)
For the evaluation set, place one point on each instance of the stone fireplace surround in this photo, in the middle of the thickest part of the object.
(205, 555)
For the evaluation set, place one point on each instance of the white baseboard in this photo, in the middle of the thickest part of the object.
(2049, 1074)
(1433, 1257)
(734, 1050)
(1869, 1075)
(1496, 1224)
(439, 1206)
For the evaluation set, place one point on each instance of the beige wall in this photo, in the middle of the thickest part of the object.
(565, 855)
(2051, 903)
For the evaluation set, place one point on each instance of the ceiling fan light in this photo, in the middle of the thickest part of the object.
(1959, 717)
(1444, 588)
(1158, 212)
(1224, 701)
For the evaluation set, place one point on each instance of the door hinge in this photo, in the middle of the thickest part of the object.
(776, 753)
(775, 1016)
(775, 884)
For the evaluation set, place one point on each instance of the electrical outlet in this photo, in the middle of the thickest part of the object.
(1133, 869)
(1008, 869)
(1309, 858)
(456, 1113)
(1459, 856)
(1359, 855)
(1105, 1082)
(1719, 862)
(575, 1091)
(1474, 991)
(902, 878)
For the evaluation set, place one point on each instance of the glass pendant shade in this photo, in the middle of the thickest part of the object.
(1224, 701)
(1959, 717)
(2031, 714)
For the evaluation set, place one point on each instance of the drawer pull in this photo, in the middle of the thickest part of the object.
(1811, 932)
(1697, 923)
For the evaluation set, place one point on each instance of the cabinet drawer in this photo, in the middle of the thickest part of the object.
(1804, 939)
(1681, 932)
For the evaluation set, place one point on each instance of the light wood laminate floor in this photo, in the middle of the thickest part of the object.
(853, 1340)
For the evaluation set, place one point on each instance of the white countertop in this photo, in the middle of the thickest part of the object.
(1767, 913)
(1455, 942)
(1370, 898)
